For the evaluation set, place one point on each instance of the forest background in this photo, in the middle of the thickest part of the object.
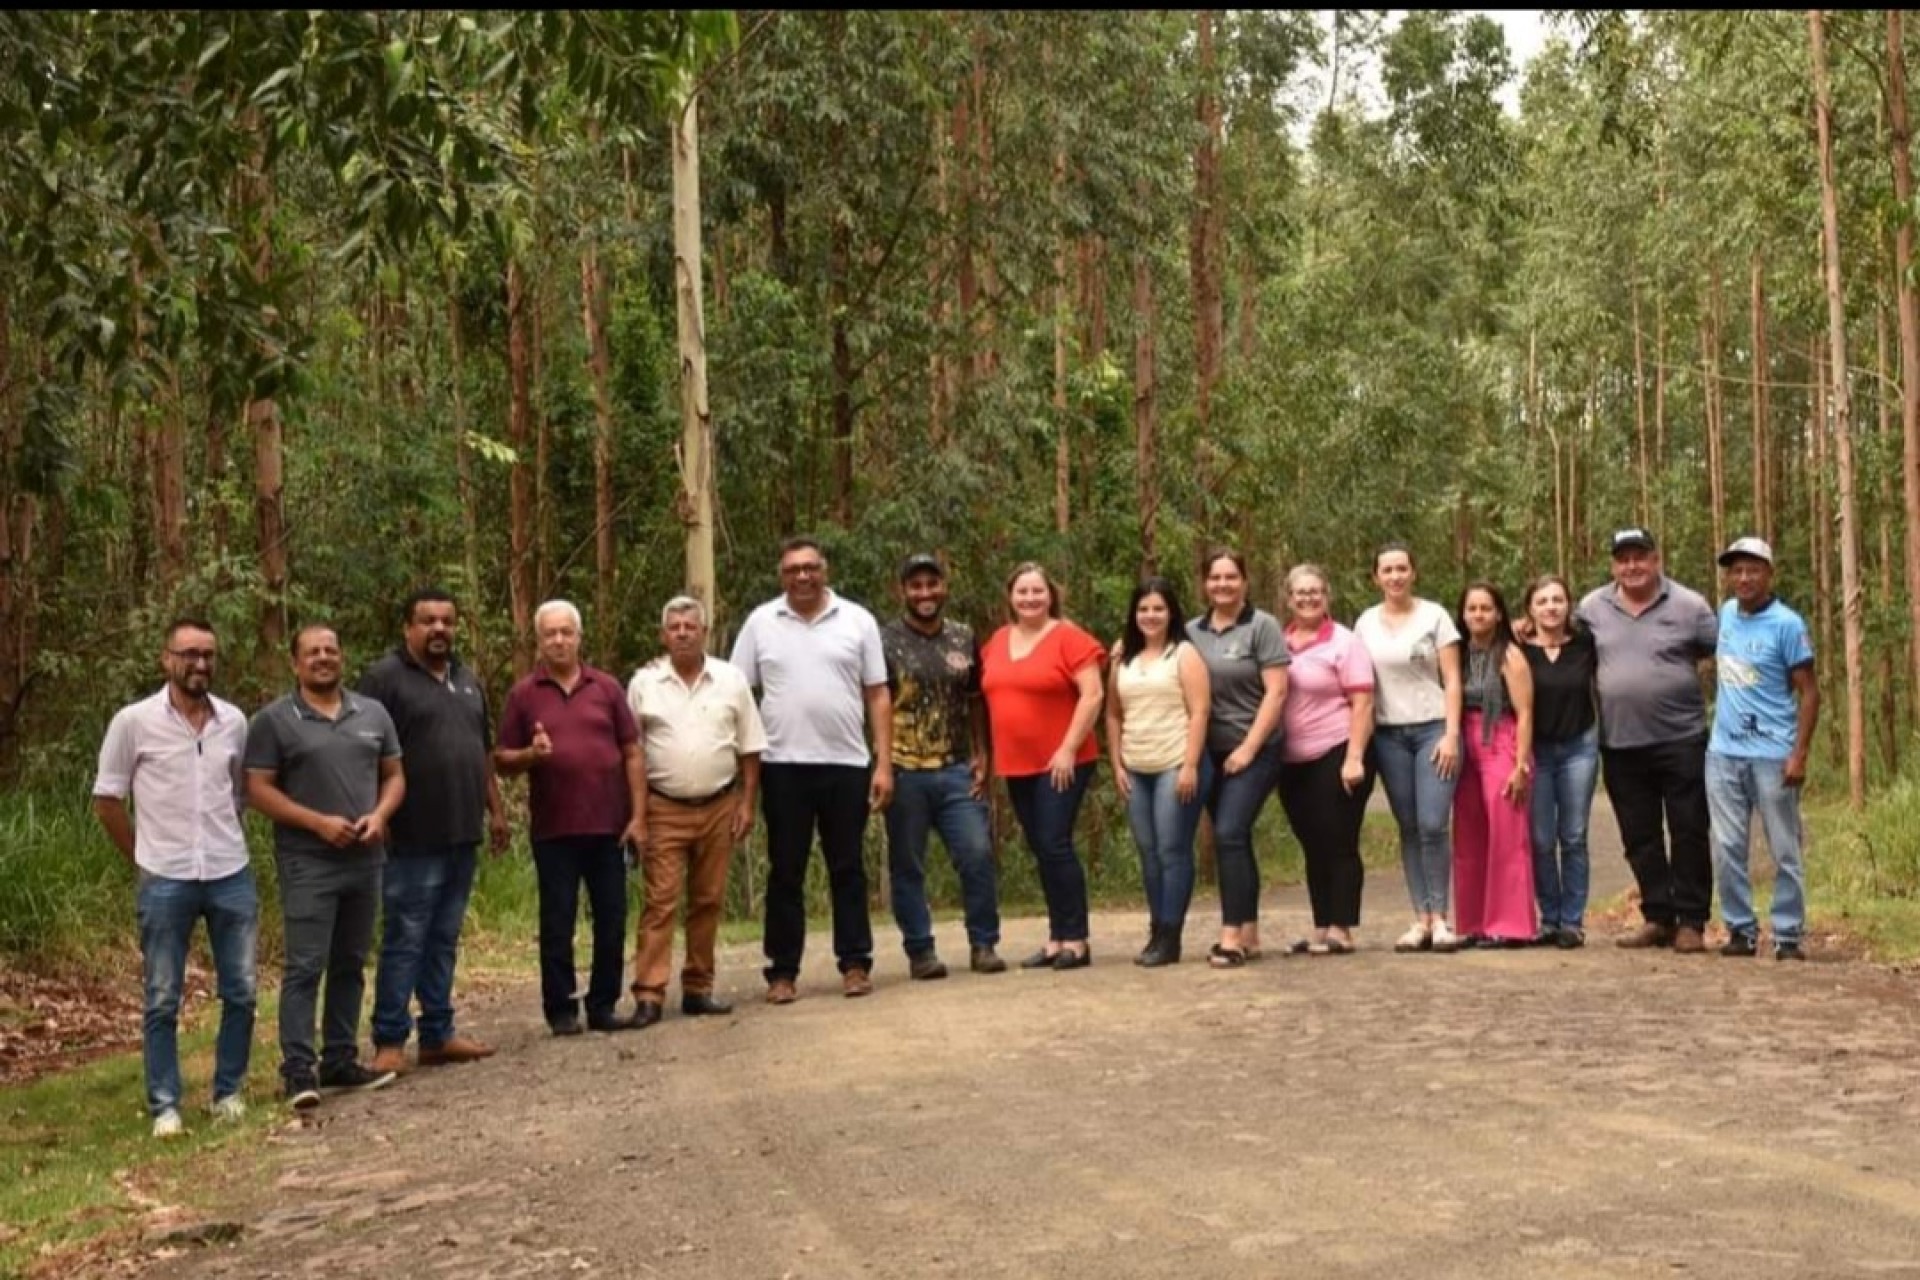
(301, 310)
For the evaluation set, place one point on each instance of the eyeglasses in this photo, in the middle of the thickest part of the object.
(1307, 593)
(810, 569)
(193, 657)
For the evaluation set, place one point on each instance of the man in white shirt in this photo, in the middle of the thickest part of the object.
(178, 756)
(702, 739)
(822, 674)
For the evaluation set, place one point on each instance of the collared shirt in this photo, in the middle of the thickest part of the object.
(443, 730)
(1237, 658)
(1757, 713)
(1329, 667)
(188, 788)
(329, 766)
(1648, 664)
(936, 684)
(813, 674)
(581, 789)
(695, 733)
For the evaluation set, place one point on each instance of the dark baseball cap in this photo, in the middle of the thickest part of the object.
(1627, 539)
(921, 562)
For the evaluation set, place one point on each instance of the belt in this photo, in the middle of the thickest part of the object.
(696, 802)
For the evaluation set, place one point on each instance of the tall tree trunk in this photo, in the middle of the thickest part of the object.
(15, 652)
(1821, 541)
(1145, 409)
(1761, 403)
(1062, 422)
(521, 583)
(940, 389)
(986, 354)
(1900, 141)
(1204, 260)
(593, 312)
(263, 423)
(1851, 619)
(1642, 463)
(696, 421)
(462, 451)
(536, 302)
(839, 264)
(965, 221)
(1887, 675)
(1714, 402)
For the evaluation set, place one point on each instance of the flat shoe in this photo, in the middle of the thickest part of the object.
(1226, 957)
(1041, 959)
(1339, 947)
(1068, 958)
(1301, 947)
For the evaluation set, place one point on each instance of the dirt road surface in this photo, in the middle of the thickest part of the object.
(1597, 1113)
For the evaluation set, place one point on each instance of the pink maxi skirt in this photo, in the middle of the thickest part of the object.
(1492, 844)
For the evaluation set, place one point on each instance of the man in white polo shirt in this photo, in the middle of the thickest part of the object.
(702, 739)
(822, 674)
(179, 755)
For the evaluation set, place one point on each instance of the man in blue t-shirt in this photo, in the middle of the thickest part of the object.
(1763, 725)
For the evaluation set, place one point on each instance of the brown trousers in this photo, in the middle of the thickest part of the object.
(687, 846)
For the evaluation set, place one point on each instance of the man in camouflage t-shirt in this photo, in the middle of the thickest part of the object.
(940, 770)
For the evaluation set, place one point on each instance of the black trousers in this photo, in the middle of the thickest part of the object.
(562, 866)
(799, 799)
(1326, 821)
(1659, 794)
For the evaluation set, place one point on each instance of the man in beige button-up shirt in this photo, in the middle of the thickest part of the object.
(703, 738)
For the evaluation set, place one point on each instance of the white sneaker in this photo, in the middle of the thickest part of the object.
(1416, 938)
(1444, 939)
(168, 1125)
(229, 1110)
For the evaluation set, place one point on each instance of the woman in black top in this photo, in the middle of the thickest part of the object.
(1566, 758)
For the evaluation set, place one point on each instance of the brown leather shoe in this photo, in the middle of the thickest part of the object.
(1688, 940)
(782, 991)
(856, 982)
(458, 1049)
(391, 1057)
(1650, 934)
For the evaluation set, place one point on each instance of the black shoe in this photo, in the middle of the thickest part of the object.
(986, 960)
(1071, 959)
(565, 1025)
(1740, 944)
(1570, 939)
(699, 1004)
(645, 1014)
(1153, 945)
(1549, 936)
(351, 1077)
(608, 1022)
(1041, 959)
(303, 1091)
(1163, 950)
(1788, 951)
(925, 967)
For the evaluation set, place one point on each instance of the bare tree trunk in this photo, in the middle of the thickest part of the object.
(1887, 673)
(462, 451)
(1145, 409)
(966, 281)
(696, 419)
(1208, 221)
(1761, 404)
(1900, 142)
(839, 263)
(263, 421)
(1851, 617)
(521, 583)
(543, 574)
(986, 355)
(940, 389)
(16, 654)
(593, 312)
(1062, 423)
(1821, 539)
(1714, 403)
(1642, 463)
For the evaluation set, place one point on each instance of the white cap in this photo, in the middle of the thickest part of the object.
(1750, 548)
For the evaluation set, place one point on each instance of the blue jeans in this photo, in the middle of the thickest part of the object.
(1235, 800)
(1564, 775)
(1163, 828)
(424, 902)
(927, 800)
(167, 910)
(1422, 803)
(1047, 817)
(1736, 788)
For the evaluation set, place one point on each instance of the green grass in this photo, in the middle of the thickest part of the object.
(1863, 870)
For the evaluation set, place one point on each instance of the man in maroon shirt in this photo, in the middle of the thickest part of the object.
(568, 726)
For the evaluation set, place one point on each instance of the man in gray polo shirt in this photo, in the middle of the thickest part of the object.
(324, 765)
(821, 671)
(1653, 638)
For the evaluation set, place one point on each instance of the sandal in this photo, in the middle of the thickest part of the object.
(1302, 947)
(1226, 957)
(1338, 946)
(1418, 937)
(1324, 947)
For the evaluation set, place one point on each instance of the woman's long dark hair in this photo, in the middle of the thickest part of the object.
(1502, 620)
(1132, 639)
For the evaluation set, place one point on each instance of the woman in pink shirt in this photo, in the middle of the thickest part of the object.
(1325, 776)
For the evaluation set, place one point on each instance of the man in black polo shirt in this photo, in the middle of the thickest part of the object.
(440, 713)
(324, 765)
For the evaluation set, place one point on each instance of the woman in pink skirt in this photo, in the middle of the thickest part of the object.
(1492, 848)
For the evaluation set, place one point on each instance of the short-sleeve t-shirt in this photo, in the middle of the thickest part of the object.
(935, 680)
(1031, 701)
(329, 766)
(1406, 662)
(1328, 668)
(1756, 716)
(582, 789)
(1237, 657)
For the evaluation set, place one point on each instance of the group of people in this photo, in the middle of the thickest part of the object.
(1486, 731)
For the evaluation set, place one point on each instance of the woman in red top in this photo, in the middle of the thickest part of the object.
(1042, 679)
